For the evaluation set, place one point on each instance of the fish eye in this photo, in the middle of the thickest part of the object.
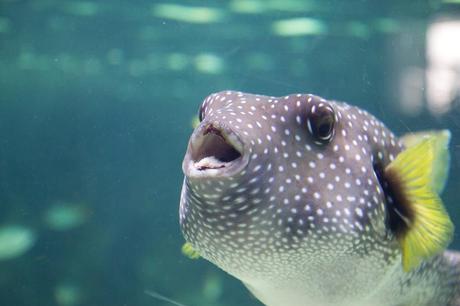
(321, 122)
(200, 113)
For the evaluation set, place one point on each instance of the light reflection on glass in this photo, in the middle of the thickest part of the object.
(443, 65)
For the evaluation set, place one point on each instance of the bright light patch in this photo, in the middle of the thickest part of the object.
(67, 295)
(213, 287)
(301, 6)
(298, 27)
(209, 63)
(411, 90)
(358, 29)
(248, 6)
(82, 8)
(262, 6)
(188, 13)
(65, 216)
(15, 240)
(443, 56)
(177, 61)
(387, 25)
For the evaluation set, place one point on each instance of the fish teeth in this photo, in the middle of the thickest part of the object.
(209, 162)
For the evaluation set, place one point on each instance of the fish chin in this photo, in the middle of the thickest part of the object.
(214, 151)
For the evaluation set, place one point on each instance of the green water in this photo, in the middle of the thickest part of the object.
(96, 105)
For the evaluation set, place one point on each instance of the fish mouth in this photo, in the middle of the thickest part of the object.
(214, 150)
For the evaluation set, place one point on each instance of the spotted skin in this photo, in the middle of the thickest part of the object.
(303, 222)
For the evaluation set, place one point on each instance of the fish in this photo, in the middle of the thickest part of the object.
(310, 201)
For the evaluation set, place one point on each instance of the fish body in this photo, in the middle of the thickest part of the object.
(290, 196)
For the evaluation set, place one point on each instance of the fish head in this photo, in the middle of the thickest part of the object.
(275, 179)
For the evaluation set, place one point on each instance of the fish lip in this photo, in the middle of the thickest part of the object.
(195, 162)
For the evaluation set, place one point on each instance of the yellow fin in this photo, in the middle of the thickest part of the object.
(441, 158)
(195, 122)
(189, 251)
(429, 228)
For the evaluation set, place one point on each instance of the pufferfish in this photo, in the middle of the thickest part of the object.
(312, 202)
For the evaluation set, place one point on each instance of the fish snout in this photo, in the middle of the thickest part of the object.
(214, 150)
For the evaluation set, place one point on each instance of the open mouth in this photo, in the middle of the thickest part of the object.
(213, 150)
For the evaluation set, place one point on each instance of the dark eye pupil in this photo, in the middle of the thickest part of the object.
(322, 124)
(325, 129)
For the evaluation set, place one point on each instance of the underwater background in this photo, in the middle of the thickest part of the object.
(97, 100)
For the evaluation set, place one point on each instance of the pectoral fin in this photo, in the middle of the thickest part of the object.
(415, 175)
(189, 251)
(441, 159)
